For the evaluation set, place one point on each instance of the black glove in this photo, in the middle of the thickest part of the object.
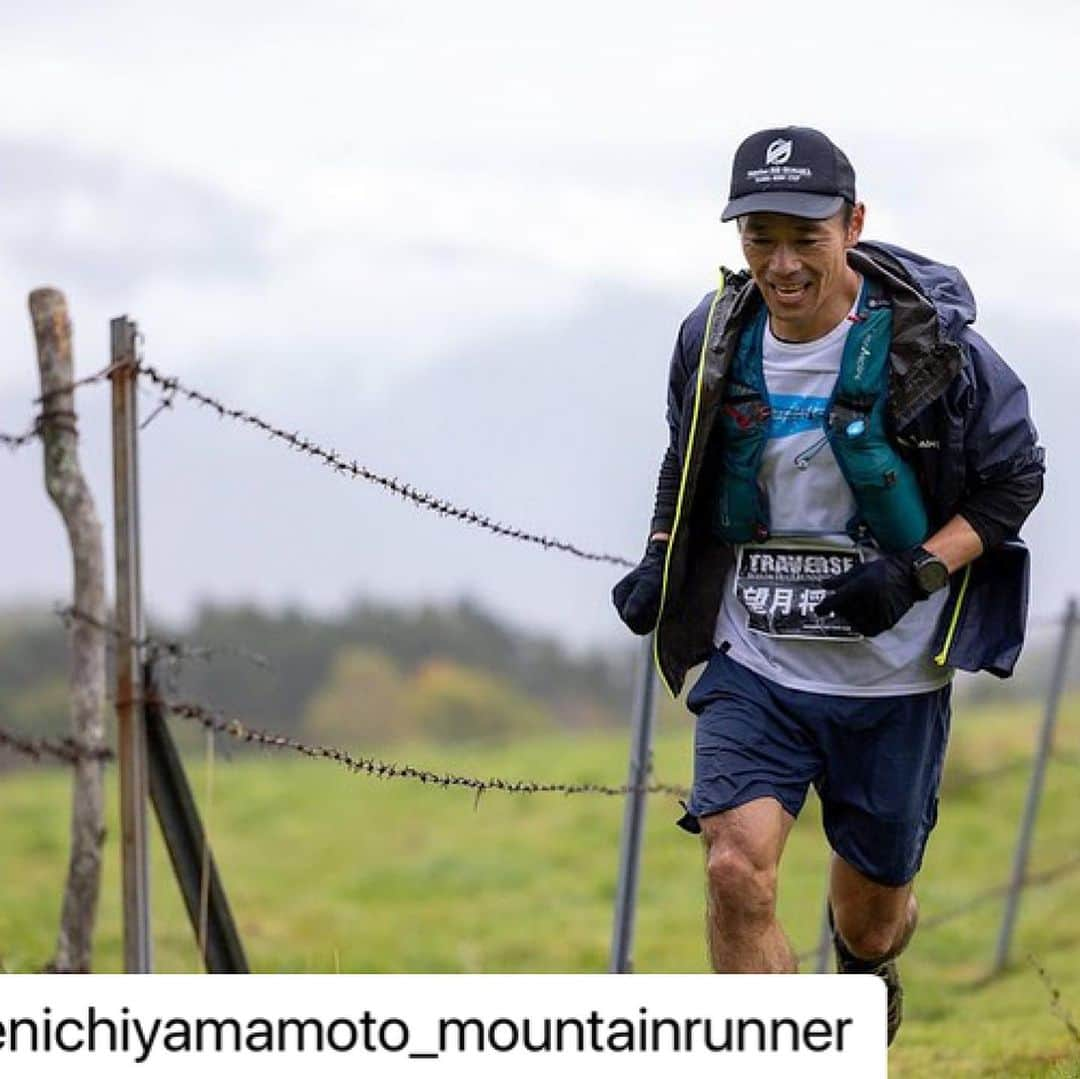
(637, 595)
(873, 596)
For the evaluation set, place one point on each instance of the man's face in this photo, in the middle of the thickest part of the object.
(800, 266)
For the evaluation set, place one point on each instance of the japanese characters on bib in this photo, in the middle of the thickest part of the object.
(780, 588)
(766, 615)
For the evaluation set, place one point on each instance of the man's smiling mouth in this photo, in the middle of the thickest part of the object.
(790, 292)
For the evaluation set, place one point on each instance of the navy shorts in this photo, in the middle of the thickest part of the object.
(875, 762)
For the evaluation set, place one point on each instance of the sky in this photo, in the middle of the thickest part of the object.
(455, 243)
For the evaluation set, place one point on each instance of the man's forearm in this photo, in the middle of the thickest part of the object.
(997, 510)
(956, 543)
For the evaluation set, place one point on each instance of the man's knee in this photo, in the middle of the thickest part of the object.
(877, 930)
(871, 940)
(741, 880)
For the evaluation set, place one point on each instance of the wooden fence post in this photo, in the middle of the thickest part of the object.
(70, 492)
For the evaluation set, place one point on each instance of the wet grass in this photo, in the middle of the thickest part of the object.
(327, 871)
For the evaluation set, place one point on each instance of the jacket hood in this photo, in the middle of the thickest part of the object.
(943, 286)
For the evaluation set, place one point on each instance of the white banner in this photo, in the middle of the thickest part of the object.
(436, 1026)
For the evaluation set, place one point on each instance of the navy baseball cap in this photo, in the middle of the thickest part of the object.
(789, 170)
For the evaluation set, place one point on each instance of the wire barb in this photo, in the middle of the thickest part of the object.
(61, 418)
(16, 442)
(162, 647)
(66, 749)
(1057, 1007)
(98, 376)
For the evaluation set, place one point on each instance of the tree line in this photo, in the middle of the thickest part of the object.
(374, 675)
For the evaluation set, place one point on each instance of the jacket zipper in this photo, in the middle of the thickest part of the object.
(942, 656)
(682, 479)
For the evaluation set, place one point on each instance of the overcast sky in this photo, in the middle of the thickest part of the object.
(455, 241)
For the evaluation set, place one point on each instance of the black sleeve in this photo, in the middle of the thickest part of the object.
(996, 512)
(667, 483)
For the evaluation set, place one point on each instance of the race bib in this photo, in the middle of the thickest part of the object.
(780, 586)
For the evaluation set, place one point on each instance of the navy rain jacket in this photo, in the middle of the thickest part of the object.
(957, 413)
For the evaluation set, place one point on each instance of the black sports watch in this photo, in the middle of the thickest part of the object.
(929, 571)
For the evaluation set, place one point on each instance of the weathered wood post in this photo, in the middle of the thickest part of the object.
(70, 492)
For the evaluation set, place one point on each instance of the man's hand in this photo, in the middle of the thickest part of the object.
(637, 595)
(873, 596)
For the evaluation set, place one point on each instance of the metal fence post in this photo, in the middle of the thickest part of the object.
(187, 842)
(622, 938)
(131, 738)
(825, 934)
(1035, 785)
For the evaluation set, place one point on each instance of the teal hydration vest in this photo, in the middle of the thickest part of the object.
(889, 505)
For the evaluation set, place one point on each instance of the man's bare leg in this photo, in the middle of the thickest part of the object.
(742, 855)
(874, 920)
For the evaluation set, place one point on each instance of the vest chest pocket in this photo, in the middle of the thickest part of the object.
(739, 513)
(886, 491)
(865, 462)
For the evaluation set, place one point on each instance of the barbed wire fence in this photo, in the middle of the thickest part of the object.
(65, 750)
(156, 647)
(69, 751)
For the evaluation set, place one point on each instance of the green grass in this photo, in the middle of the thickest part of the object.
(326, 870)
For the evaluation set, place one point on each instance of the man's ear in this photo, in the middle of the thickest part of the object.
(855, 225)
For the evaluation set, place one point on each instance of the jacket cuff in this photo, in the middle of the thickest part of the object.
(996, 512)
(990, 533)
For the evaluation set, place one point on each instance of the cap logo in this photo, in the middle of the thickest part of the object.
(778, 152)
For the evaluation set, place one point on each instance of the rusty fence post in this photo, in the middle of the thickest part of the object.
(131, 735)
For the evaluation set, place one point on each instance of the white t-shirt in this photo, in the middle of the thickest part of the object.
(810, 505)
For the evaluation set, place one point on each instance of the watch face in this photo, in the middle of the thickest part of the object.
(931, 575)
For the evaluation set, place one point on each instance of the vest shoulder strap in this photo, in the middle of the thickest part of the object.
(863, 376)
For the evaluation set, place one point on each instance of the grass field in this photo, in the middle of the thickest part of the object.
(328, 871)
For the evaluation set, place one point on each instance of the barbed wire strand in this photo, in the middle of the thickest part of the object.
(1057, 1006)
(163, 647)
(98, 376)
(15, 442)
(56, 416)
(66, 749)
(166, 648)
(381, 769)
(1031, 880)
(61, 418)
(337, 463)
